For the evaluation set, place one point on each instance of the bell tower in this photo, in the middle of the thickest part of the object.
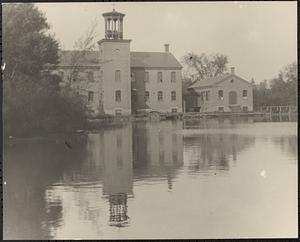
(113, 25)
(115, 66)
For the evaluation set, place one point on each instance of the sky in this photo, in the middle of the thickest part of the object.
(259, 38)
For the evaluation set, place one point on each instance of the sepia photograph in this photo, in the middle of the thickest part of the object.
(149, 120)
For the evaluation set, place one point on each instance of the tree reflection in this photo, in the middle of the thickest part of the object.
(30, 165)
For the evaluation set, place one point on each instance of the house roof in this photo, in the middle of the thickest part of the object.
(137, 59)
(214, 80)
(153, 60)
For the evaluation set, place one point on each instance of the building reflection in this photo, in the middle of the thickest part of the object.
(216, 142)
(157, 150)
(214, 151)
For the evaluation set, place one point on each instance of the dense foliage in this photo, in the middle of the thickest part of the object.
(281, 90)
(33, 101)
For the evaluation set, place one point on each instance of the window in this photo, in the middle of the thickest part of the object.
(132, 76)
(118, 96)
(159, 77)
(90, 76)
(160, 96)
(146, 96)
(118, 112)
(173, 95)
(175, 157)
(207, 95)
(161, 156)
(117, 75)
(173, 76)
(221, 109)
(146, 76)
(174, 110)
(245, 94)
(61, 74)
(201, 96)
(220, 94)
(75, 76)
(245, 109)
(90, 96)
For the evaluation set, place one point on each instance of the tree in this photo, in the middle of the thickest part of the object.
(282, 90)
(27, 49)
(82, 46)
(204, 66)
(33, 102)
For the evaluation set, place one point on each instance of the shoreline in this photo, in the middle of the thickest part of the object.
(96, 124)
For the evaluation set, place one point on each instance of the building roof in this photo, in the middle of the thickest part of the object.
(153, 60)
(137, 59)
(210, 81)
(86, 58)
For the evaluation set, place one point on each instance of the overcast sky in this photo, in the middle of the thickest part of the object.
(258, 37)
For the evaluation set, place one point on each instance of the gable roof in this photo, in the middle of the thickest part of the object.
(137, 59)
(153, 60)
(208, 82)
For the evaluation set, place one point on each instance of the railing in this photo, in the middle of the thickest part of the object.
(277, 109)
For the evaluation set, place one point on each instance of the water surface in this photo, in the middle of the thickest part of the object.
(219, 178)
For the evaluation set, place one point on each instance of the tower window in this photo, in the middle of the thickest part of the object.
(146, 76)
(173, 95)
(118, 96)
(132, 76)
(146, 96)
(117, 75)
(90, 96)
(245, 93)
(173, 76)
(159, 76)
(160, 96)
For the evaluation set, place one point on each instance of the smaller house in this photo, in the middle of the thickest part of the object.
(227, 92)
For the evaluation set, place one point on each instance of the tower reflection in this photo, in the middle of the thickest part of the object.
(117, 173)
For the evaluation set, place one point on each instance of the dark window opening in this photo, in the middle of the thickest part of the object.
(118, 96)
(90, 96)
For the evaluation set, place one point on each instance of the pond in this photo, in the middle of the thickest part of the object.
(217, 178)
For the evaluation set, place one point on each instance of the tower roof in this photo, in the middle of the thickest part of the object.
(113, 13)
